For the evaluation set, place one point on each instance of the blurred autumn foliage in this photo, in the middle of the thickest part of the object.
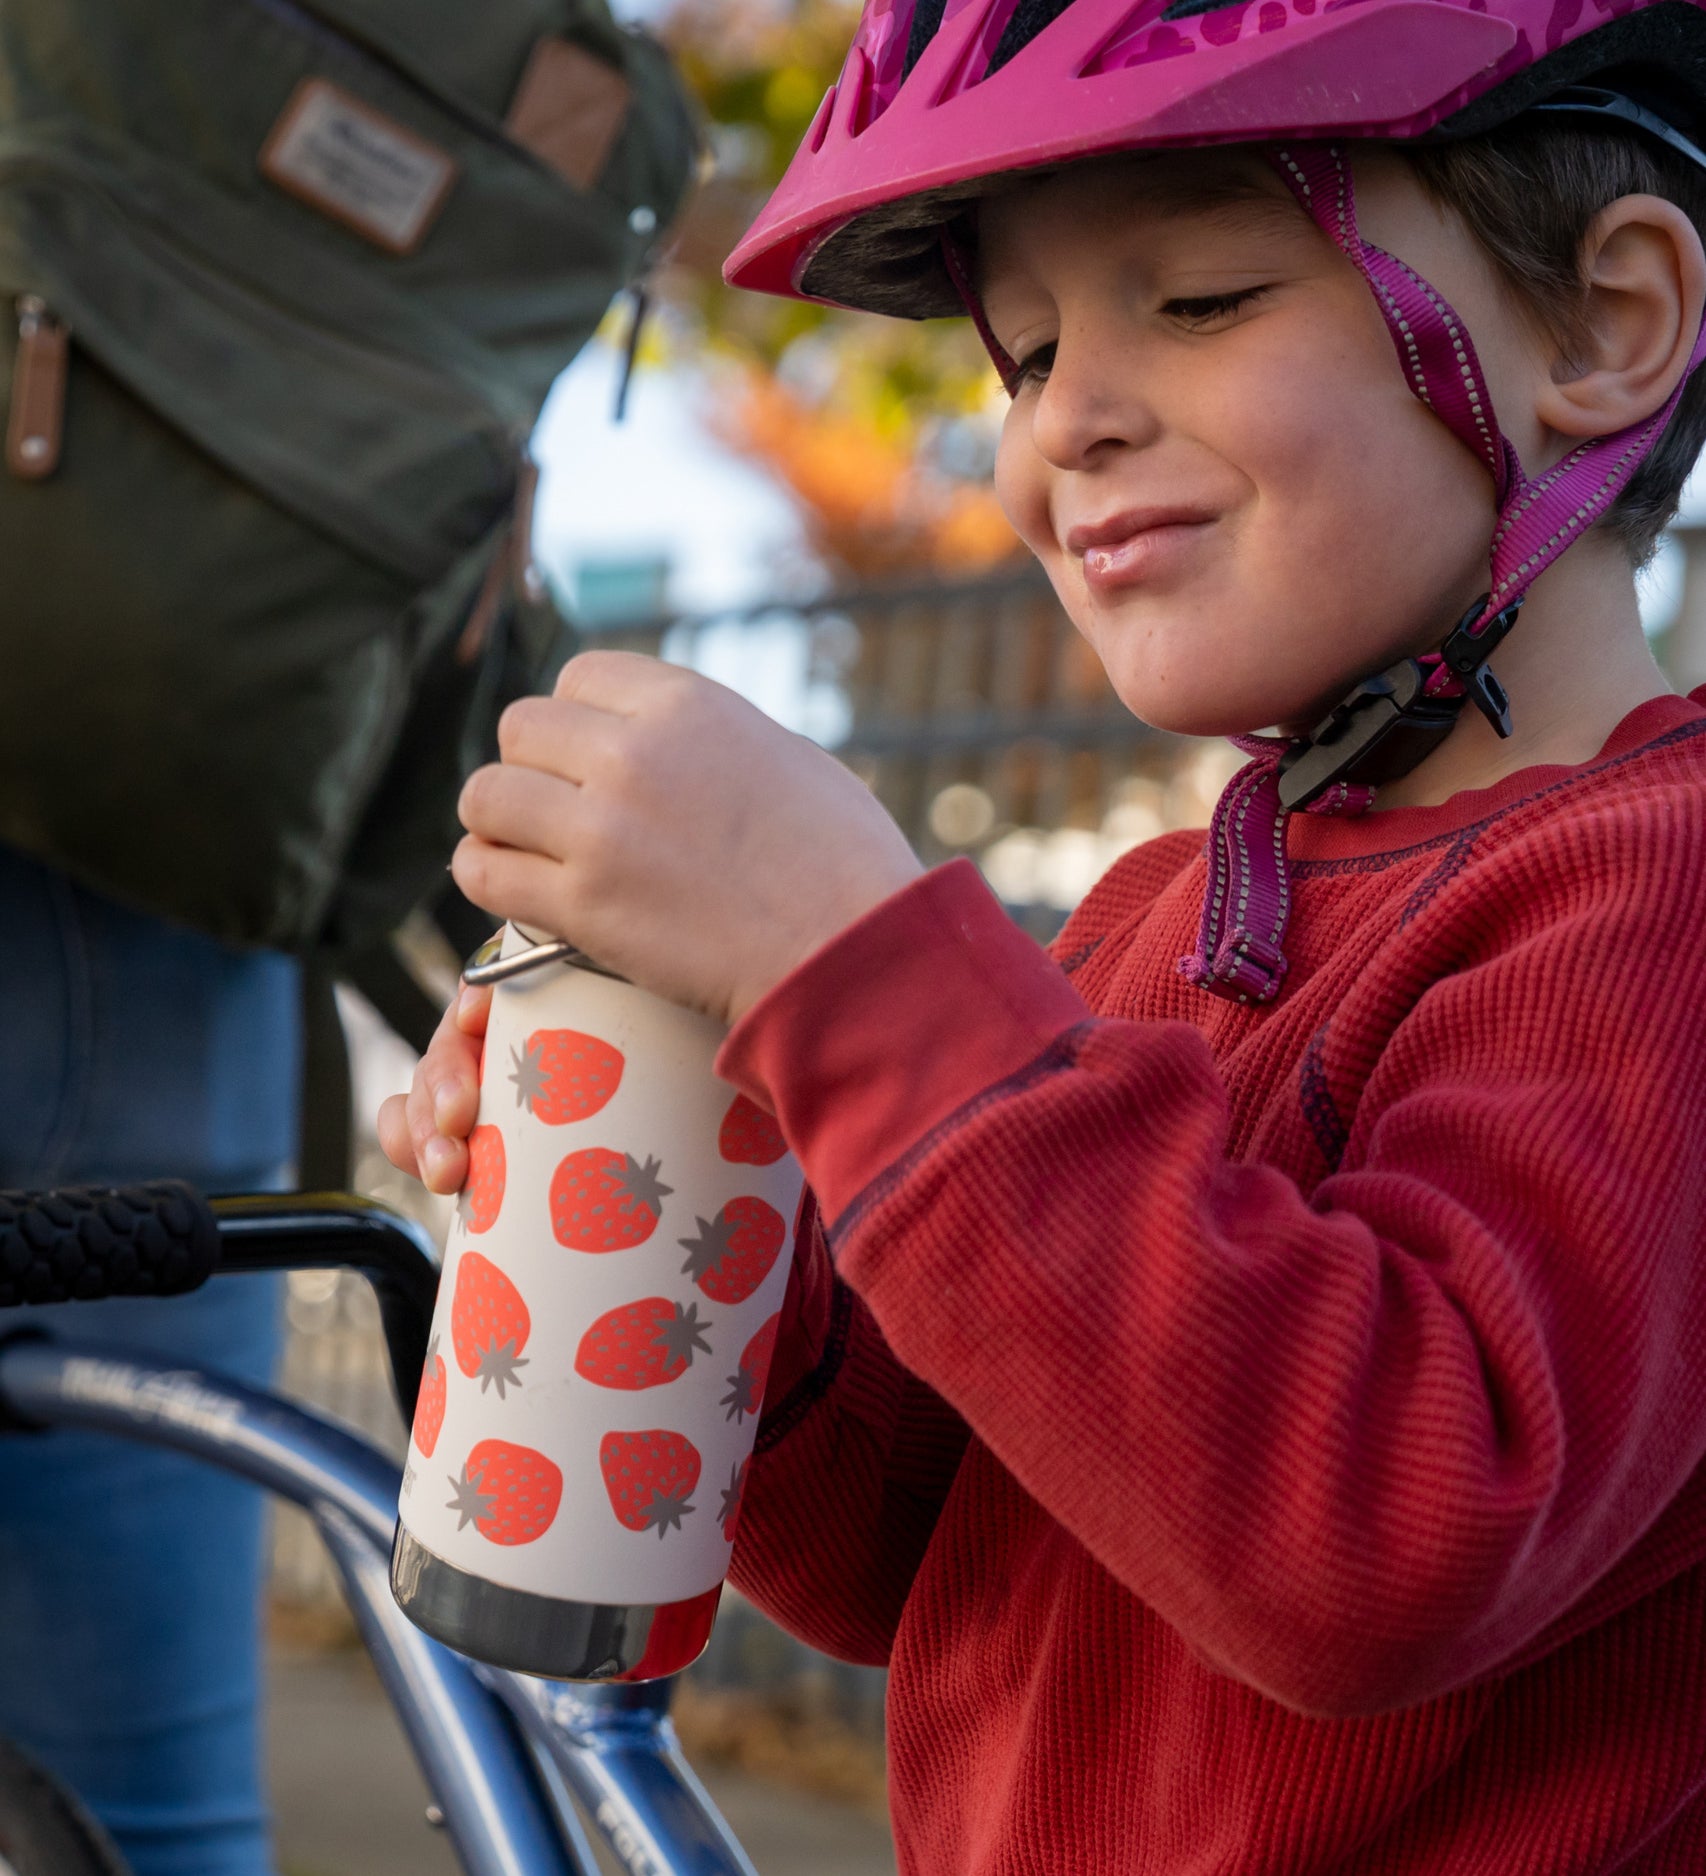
(883, 428)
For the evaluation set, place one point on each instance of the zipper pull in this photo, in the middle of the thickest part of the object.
(636, 327)
(36, 426)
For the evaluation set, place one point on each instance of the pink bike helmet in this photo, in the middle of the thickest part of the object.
(938, 97)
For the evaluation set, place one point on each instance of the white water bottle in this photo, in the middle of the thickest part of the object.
(604, 1327)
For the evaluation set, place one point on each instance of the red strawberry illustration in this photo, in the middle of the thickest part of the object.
(746, 1384)
(602, 1200)
(733, 1492)
(489, 1323)
(650, 1477)
(508, 1493)
(483, 1191)
(429, 1403)
(734, 1251)
(749, 1136)
(642, 1344)
(563, 1075)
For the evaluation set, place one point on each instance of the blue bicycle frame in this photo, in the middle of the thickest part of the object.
(507, 1758)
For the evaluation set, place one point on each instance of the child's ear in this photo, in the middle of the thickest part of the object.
(1646, 290)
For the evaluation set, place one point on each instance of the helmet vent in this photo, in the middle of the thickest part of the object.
(1027, 19)
(926, 23)
(1189, 9)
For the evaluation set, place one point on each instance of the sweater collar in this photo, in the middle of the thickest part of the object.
(1319, 837)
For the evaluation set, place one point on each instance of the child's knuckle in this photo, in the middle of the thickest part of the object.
(472, 870)
(478, 795)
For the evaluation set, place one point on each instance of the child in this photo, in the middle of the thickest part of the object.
(1246, 1375)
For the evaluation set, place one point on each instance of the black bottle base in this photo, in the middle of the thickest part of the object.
(565, 1641)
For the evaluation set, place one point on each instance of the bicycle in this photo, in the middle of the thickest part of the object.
(521, 1770)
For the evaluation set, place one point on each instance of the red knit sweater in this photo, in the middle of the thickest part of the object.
(1268, 1440)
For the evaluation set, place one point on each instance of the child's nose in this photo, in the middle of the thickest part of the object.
(1091, 403)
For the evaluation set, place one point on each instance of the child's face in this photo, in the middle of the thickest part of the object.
(1214, 453)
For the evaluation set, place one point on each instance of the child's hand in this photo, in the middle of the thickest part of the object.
(424, 1131)
(674, 832)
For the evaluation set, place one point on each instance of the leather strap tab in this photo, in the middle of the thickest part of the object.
(35, 425)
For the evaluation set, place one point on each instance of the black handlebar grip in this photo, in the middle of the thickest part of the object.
(82, 1242)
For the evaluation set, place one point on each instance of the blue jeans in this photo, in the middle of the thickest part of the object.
(130, 1579)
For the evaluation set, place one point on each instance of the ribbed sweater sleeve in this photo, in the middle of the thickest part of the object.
(852, 1449)
(1357, 1445)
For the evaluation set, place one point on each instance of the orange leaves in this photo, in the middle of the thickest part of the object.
(870, 505)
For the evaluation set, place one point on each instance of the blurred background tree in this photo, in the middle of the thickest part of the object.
(884, 429)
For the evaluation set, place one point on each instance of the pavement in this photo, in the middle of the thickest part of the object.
(350, 1802)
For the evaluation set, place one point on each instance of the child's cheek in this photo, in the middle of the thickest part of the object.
(1022, 482)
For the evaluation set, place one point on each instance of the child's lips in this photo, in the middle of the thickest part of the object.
(1138, 545)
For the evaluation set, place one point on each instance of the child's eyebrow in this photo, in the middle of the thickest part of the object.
(1226, 201)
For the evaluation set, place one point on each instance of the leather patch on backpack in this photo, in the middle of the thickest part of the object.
(569, 109)
(338, 154)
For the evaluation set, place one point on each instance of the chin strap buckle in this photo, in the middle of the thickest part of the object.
(1394, 721)
(1488, 696)
(1464, 656)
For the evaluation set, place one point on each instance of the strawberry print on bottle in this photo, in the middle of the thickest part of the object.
(562, 1075)
(729, 1516)
(509, 1493)
(608, 1308)
(650, 1477)
(602, 1200)
(746, 1384)
(733, 1253)
(643, 1344)
(489, 1324)
(483, 1196)
(429, 1402)
(749, 1136)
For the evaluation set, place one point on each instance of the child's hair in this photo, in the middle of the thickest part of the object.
(1528, 192)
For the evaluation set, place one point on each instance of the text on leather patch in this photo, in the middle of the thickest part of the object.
(355, 164)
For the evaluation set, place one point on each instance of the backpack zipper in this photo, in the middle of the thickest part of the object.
(35, 427)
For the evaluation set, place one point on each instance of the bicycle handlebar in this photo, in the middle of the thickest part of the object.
(81, 1243)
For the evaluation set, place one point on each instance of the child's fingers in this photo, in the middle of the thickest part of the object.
(440, 1156)
(414, 1145)
(445, 1097)
(473, 1009)
(617, 682)
(444, 1167)
(395, 1140)
(422, 1132)
(525, 887)
(558, 736)
(519, 807)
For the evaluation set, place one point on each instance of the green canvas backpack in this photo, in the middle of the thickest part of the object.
(283, 284)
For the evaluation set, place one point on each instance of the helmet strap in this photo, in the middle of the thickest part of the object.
(955, 259)
(1393, 721)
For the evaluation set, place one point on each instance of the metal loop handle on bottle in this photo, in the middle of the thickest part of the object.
(486, 967)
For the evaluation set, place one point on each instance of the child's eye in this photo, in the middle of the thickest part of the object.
(1033, 368)
(1209, 307)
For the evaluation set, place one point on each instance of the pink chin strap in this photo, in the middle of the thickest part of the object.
(1392, 721)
